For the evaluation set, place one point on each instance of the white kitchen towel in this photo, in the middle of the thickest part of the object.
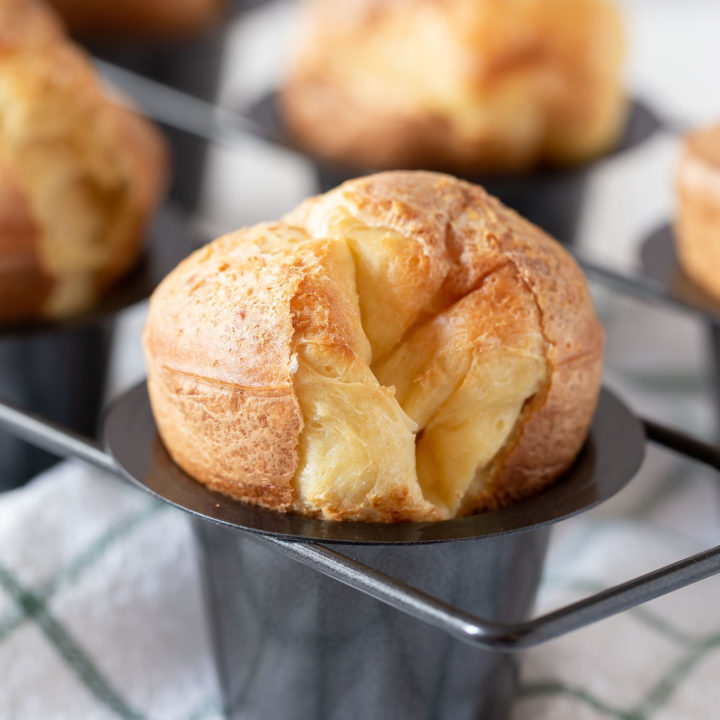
(100, 608)
(660, 660)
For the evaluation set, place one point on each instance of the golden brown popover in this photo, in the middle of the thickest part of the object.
(79, 173)
(401, 348)
(470, 85)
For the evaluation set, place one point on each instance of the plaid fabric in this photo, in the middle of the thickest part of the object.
(656, 661)
(100, 613)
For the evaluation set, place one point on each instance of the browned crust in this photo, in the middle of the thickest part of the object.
(219, 336)
(244, 453)
(25, 23)
(338, 103)
(138, 18)
(218, 345)
(697, 226)
(554, 425)
(24, 283)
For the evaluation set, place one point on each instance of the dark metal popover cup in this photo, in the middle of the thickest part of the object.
(291, 643)
(58, 374)
(294, 644)
(57, 369)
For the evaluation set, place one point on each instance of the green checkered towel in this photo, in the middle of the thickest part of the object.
(101, 617)
(100, 610)
(660, 660)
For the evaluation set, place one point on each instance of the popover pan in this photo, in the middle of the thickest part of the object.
(293, 643)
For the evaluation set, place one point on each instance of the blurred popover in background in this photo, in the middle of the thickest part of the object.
(465, 85)
(697, 226)
(80, 174)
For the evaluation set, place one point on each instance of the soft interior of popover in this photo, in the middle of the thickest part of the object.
(403, 410)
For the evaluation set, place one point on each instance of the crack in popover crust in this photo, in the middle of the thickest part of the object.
(401, 348)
